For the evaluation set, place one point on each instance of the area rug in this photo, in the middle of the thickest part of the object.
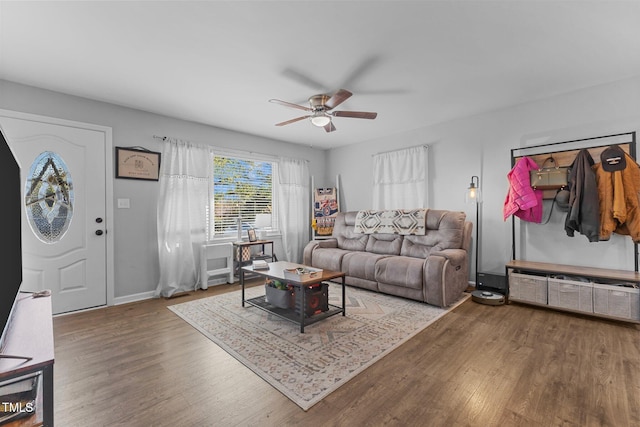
(307, 367)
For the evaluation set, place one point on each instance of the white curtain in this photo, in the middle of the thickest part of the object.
(184, 190)
(400, 179)
(293, 207)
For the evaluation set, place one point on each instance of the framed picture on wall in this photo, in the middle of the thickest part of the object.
(252, 235)
(137, 163)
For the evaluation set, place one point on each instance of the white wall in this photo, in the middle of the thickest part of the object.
(480, 145)
(135, 241)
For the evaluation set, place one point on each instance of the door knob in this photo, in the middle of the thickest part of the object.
(98, 220)
(99, 232)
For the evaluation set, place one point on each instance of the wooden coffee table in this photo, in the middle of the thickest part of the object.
(276, 271)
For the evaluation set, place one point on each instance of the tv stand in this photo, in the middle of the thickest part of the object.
(30, 335)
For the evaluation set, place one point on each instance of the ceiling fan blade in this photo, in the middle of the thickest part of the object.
(338, 98)
(355, 114)
(297, 119)
(363, 68)
(329, 127)
(290, 104)
(303, 79)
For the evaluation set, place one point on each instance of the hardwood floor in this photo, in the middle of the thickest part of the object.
(140, 365)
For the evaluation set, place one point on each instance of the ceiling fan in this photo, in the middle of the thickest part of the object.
(320, 107)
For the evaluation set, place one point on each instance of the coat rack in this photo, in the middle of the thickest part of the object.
(564, 153)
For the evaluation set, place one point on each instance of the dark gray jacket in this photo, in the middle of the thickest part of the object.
(584, 206)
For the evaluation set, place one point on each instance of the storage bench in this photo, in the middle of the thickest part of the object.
(616, 297)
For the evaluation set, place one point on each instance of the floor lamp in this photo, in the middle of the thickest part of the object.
(473, 195)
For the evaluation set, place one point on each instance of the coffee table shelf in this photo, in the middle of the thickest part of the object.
(276, 271)
(290, 314)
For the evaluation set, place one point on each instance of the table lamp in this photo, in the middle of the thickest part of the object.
(263, 222)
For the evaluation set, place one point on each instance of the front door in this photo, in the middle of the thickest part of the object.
(64, 218)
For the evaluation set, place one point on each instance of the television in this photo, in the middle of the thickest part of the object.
(10, 219)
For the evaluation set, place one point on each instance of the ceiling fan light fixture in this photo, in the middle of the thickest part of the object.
(320, 119)
(320, 110)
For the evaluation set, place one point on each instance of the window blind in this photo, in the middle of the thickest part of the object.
(241, 187)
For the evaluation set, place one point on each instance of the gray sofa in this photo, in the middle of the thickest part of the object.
(433, 268)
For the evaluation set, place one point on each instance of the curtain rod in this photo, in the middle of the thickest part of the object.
(400, 149)
(231, 150)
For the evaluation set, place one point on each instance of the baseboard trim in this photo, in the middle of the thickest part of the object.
(133, 298)
(150, 294)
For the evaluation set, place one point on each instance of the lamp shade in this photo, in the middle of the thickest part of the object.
(263, 221)
(473, 194)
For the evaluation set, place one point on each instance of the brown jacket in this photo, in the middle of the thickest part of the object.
(619, 195)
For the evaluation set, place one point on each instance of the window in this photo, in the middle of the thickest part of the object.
(241, 187)
(400, 179)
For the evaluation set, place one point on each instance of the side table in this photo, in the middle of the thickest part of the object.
(242, 254)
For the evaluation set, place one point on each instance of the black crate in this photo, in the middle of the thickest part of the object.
(316, 298)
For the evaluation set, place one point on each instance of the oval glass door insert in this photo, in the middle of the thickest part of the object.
(49, 197)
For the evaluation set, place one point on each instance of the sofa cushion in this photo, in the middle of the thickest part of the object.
(343, 231)
(361, 264)
(384, 244)
(400, 271)
(445, 230)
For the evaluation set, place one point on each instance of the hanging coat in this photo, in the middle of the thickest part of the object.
(522, 200)
(619, 193)
(584, 209)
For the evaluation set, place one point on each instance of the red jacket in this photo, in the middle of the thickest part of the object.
(522, 200)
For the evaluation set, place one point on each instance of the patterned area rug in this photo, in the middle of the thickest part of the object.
(307, 367)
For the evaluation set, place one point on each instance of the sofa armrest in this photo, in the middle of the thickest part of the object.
(446, 276)
(312, 245)
(455, 256)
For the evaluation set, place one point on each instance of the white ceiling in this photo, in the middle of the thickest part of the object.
(416, 63)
